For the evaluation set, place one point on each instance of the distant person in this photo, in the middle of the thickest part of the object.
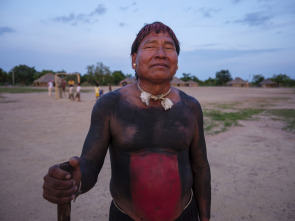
(71, 82)
(71, 92)
(50, 86)
(96, 90)
(63, 87)
(110, 87)
(100, 92)
(78, 91)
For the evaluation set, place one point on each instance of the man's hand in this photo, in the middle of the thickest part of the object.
(59, 186)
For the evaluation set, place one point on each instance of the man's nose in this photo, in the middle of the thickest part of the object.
(160, 52)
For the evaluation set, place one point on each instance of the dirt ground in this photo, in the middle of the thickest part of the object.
(252, 166)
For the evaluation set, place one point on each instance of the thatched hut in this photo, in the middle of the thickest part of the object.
(267, 83)
(43, 80)
(127, 81)
(238, 82)
(177, 82)
(191, 83)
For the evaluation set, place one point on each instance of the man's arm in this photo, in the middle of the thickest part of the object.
(96, 143)
(59, 186)
(200, 167)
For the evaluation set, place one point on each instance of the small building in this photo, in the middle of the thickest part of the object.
(176, 82)
(267, 83)
(238, 82)
(43, 80)
(191, 83)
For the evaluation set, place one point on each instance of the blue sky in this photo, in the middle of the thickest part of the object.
(247, 37)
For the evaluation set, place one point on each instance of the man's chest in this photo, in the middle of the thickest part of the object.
(135, 129)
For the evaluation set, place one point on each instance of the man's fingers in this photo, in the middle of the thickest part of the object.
(61, 186)
(59, 191)
(75, 162)
(57, 200)
(58, 173)
(58, 184)
(59, 194)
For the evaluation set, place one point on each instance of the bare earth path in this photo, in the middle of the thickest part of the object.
(253, 166)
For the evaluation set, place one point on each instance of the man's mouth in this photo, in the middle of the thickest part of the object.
(160, 65)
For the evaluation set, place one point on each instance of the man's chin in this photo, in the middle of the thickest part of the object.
(160, 79)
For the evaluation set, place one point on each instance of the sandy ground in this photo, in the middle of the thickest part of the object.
(253, 166)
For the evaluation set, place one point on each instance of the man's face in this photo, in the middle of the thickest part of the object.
(156, 58)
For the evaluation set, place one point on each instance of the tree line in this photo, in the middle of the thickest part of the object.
(224, 76)
(99, 73)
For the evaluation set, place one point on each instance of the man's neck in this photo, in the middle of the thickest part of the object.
(154, 88)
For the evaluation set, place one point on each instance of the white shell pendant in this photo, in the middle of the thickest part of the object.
(166, 103)
(145, 97)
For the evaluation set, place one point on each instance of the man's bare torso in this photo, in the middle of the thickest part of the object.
(151, 172)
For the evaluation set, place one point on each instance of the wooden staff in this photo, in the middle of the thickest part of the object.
(64, 210)
(78, 78)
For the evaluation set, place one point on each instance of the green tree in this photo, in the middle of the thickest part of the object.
(98, 73)
(61, 71)
(90, 77)
(83, 79)
(281, 79)
(107, 78)
(290, 83)
(257, 79)
(102, 74)
(186, 77)
(23, 74)
(117, 77)
(194, 78)
(210, 82)
(223, 77)
(3, 76)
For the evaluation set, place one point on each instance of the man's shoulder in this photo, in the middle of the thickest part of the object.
(188, 99)
(106, 104)
(111, 97)
(190, 102)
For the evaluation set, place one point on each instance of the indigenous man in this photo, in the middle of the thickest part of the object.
(155, 137)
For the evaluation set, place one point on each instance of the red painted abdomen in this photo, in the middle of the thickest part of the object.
(155, 185)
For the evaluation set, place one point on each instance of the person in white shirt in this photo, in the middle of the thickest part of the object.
(50, 86)
(78, 89)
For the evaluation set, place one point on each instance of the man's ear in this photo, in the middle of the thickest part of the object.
(133, 60)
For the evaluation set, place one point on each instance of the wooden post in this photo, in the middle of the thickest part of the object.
(78, 78)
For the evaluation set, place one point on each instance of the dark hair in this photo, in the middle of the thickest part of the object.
(157, 27)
